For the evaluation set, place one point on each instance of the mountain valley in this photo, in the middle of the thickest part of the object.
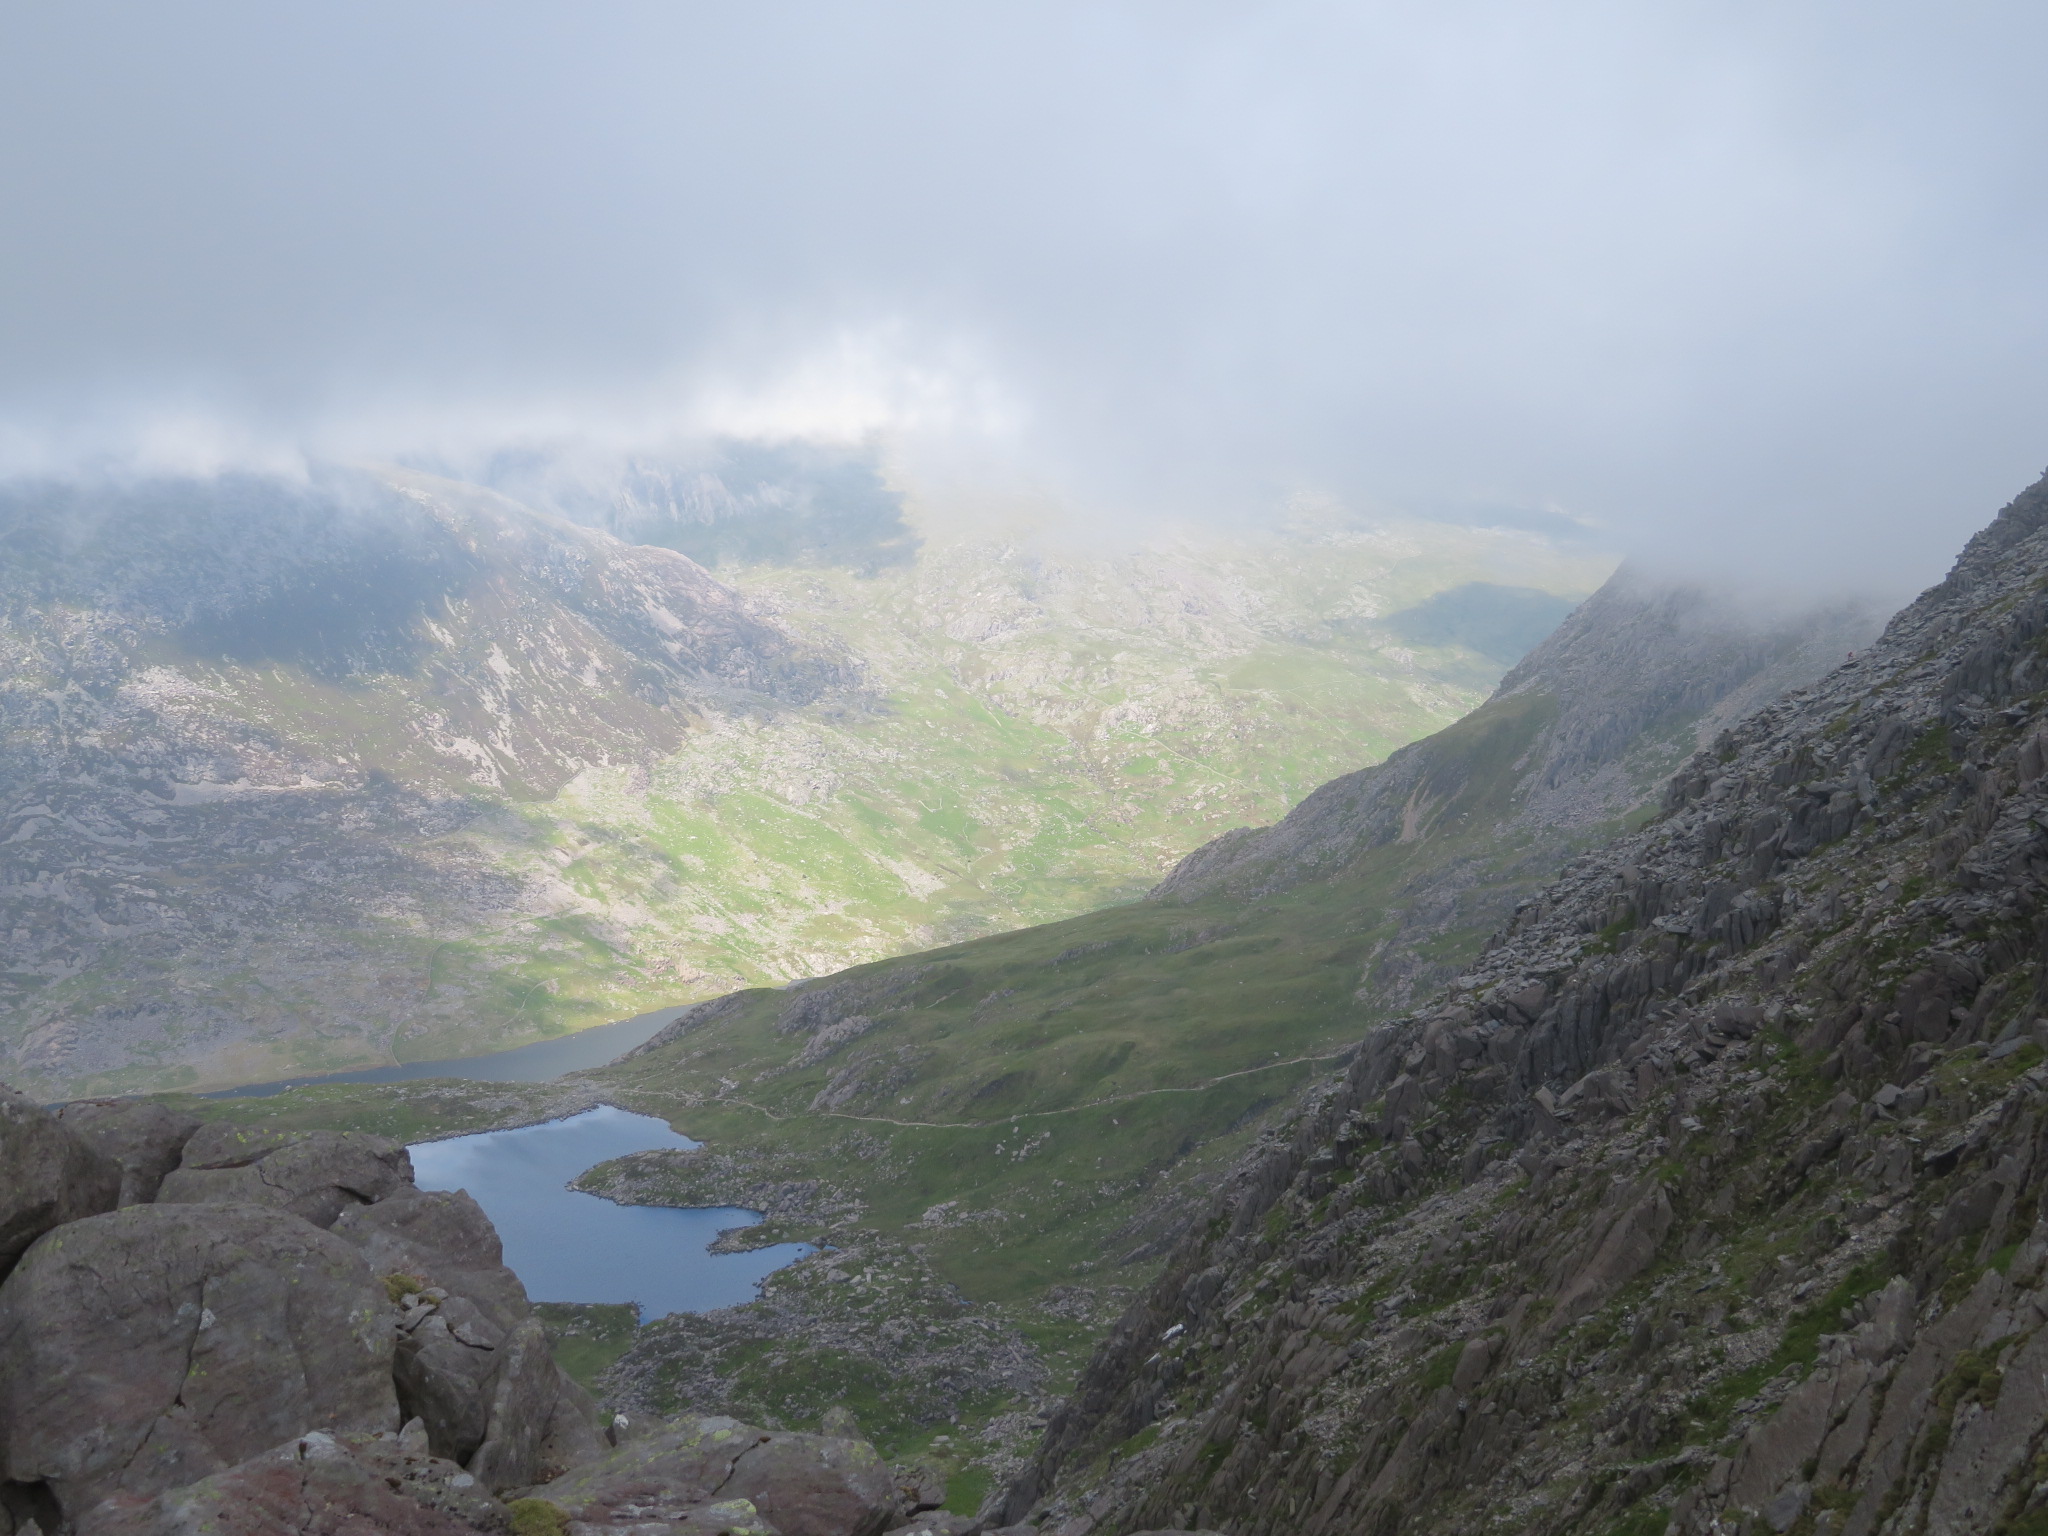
(306, 776)
(1029, 1122)
(1615, 1111)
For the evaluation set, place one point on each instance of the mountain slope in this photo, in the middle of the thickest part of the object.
(1034, 1117)
(306, 775)
(1043, 1109)
(1710, 1194)
(254, 735)
(1049, 726)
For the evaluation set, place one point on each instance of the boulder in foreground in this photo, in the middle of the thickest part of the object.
(315, 1175)
(147, 1348)
(145, 1138)
(48, 1176)
(802, 1485)
(314, 1485)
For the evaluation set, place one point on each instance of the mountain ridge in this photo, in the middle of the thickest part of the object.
(1708, 1195)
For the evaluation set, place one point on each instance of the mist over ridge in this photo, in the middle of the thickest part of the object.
(1747, 289)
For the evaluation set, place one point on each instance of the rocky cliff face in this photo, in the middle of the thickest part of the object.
(1709, 1199)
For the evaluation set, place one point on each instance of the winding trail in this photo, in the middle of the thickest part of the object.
(1037, 1114)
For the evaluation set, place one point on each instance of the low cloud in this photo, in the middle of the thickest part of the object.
(1752, 288)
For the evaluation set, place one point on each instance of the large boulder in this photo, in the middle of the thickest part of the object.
(443, 1239)
(815, 1485)
(314, 1485)
(491, 1399)
(448, 1359)
(473, 1364)
(145, 1138)
(803, 1485)
(526, 1392)
(146, 1348)
(48, 1176)
(316, 1175)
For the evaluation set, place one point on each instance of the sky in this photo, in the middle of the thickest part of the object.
(1761, 287)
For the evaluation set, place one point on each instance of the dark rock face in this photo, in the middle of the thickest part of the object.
(1715, 1196)
(145, 1139)
(802, 1485)
(48, 1176)
(314, 1485)
(472, 1362)
(316, 1175)
(444, 1239)
(145, 1348)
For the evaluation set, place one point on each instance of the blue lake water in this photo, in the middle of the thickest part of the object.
(569, 1246)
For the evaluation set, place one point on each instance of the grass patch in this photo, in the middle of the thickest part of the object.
(587, 1338)
(967, 1489)
(1800, 1346)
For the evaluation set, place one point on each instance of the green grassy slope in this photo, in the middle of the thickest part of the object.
(1039, 733)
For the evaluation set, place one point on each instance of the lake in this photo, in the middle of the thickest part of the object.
(541, 1062)
(569, 1246)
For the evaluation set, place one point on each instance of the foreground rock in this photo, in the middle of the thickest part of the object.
(146, 1348)
(473, 1362)
(314, 1485)
(144, 1138)
(315, 1175)
(47, 1176)
(801, 1485)
(209, 1363)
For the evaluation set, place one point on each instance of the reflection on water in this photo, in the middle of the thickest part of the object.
(569, 1246)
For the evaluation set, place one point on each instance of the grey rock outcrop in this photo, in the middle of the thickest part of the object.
(1715, 1195)
(51, 1176)
(801, 1485)
(147, 1139)
(316, 1175)
(313, 1485)
(442, 1238)
(145, 1348)
(472, 1362)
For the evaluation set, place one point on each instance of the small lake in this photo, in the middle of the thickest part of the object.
(569, 1246)
(541, 1062)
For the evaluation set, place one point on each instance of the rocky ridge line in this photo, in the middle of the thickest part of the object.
(1709, 1199)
